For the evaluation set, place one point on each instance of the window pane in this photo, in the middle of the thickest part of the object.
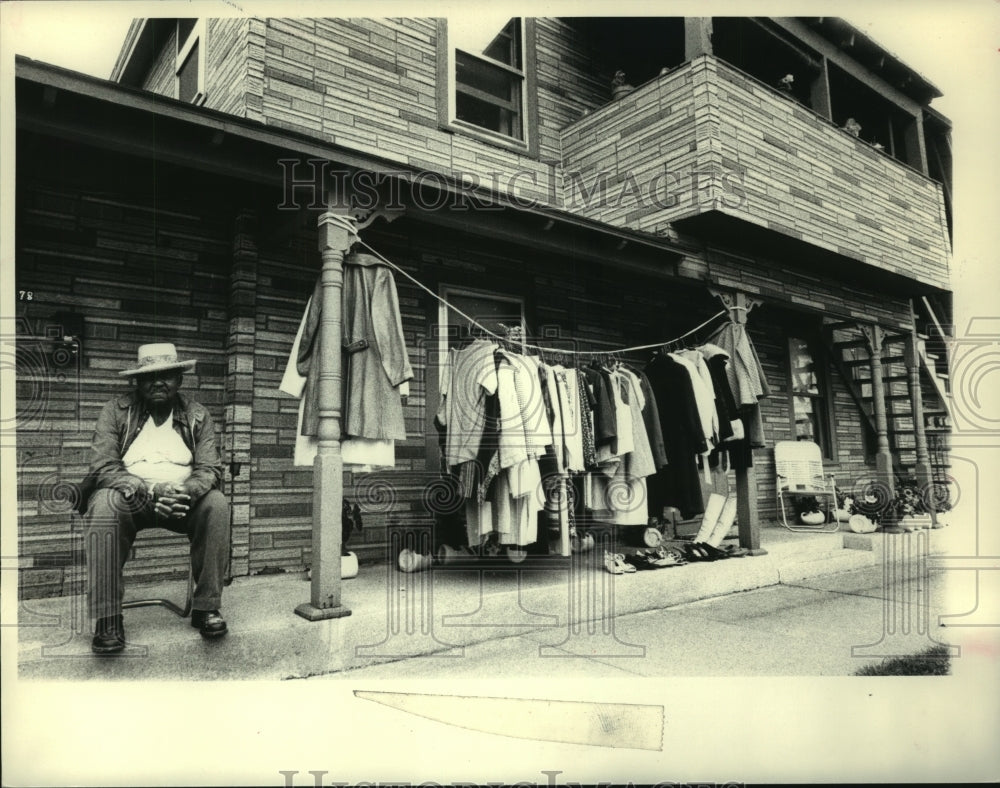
(488, 312)
(487, 116)
(803, 368)
(184, 28)
(806, 420)
(498, 37)
(482, 75)
(187, 86)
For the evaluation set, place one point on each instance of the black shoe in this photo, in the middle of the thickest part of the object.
(109, 635)
(210, 623)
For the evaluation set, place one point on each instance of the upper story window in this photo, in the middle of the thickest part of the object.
(190, 63)
(489, 78)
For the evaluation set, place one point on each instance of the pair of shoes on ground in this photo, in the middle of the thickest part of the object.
(109, 633)
(655, 558)
(616, 564)
(702, 551)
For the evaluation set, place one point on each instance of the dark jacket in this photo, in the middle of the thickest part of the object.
(117, 427)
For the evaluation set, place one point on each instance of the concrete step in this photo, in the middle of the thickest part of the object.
(841, 561)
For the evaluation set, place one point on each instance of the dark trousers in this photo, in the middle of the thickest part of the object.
(112, 523)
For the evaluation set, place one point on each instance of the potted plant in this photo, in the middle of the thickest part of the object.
(908, 508)
(842, 513)
(619, 87)
(864, 509)
(808, 511)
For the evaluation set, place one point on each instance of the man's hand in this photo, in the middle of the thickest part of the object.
(171, 501)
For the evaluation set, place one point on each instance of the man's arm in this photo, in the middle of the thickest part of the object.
(207, 469)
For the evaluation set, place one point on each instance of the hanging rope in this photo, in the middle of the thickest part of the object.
(350, 227)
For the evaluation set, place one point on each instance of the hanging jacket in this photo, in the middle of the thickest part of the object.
(746, 377)
(677, 483)
(374, 360)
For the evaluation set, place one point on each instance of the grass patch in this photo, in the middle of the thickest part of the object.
(933, 661)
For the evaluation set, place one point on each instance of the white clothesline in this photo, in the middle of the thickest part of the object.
(496, 336)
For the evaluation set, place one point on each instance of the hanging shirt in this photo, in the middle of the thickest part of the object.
(159, 454)
(470, 376)
(621, 394)
(706, 390)
(525, 431)
(704, 397)
(605, 420)
(569, 397)
(555, 412)
(677, 483)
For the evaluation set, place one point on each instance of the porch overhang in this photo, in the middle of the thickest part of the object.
(64, 104)
(793, 252)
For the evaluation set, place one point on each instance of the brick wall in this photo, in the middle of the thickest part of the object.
(140, 261)
(759, 157)
(803, 177)
(370, 85)
(162, 77)
(704, 137)
(226, 77)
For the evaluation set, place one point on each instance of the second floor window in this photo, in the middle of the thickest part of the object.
(487, 77)
(190, 65)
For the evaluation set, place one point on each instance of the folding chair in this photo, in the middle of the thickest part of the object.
(799, 469)
(173, 607)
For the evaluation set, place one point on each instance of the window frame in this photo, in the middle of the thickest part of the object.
(197, 37)
(824, 396)
(446, 291)
(447, 91)
(440, 316)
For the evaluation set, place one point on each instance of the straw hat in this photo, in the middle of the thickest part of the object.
(157, 358)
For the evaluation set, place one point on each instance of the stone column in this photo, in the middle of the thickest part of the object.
(336, 233)
(240, 383)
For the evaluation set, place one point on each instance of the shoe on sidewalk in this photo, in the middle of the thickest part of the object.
(210, 623)
(109, 635)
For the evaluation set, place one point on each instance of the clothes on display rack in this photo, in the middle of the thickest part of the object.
(631, 440)
(374, 362)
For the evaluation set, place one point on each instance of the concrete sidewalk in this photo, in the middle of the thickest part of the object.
(798, 610)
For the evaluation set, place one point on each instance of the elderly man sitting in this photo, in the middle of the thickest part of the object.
(154, 463)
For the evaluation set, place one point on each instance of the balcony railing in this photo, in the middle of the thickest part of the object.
(706, 138)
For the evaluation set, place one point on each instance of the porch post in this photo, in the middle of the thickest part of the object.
(883, 457)
(336, 233)
(922, 468)
(747, 522)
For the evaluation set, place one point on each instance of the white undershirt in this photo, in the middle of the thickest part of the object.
(158, 454)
